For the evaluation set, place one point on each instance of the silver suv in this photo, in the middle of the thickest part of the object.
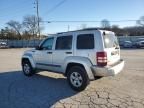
(79, 55)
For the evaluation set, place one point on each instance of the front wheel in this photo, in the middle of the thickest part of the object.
(77, 78)
(27, 68)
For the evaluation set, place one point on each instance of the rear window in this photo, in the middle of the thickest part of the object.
(110, 41)
(85, 41)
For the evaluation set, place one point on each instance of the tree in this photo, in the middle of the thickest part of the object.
(2, 34)
(141, 21)
(26, 35)
(7, 33)
(30, 22)
(117, 30)
(15, 25)
(105, 23)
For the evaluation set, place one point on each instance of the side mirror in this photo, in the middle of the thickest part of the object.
(37, 48)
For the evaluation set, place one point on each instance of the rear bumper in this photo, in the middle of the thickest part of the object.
(109, 70)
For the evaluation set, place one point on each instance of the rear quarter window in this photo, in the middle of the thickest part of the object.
(85, 41)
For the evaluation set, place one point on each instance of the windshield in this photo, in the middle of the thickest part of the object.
(110, 41)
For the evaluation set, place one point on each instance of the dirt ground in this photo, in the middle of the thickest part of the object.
(44, 90)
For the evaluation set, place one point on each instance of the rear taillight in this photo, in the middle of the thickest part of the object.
(101, 58)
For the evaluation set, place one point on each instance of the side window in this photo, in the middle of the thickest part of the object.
(85, 41)
(64, 43)
(47, 45)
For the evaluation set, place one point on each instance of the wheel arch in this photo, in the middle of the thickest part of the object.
(82, 62)
(71, 65)
(30, 60)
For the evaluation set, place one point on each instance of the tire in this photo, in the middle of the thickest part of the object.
(77, 78)
(27, 68)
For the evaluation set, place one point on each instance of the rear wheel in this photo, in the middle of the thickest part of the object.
(27, 68)
(77, 78)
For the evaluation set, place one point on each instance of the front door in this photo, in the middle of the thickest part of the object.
(43, 57)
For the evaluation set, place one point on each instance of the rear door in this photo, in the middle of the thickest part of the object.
(112, 48)
(63, 49)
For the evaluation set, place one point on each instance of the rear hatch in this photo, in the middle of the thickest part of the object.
(111, 47)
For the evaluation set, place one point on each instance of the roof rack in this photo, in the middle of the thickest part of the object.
(80, 30)
(90, 29)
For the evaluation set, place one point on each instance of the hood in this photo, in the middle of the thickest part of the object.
(29, 51)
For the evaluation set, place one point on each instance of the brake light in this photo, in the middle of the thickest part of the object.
(101, 58)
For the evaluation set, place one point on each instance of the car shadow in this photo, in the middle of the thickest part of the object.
(19, 91)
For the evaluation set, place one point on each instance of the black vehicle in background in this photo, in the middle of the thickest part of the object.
(139, 43)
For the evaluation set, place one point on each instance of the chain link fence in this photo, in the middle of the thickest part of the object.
(34, 43)
(20, 43)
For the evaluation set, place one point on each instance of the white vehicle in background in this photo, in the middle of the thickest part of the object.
(127, 44)
(80, 55)
(3, 45)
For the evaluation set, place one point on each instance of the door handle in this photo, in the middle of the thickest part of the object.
(49, 52)
(68, 52)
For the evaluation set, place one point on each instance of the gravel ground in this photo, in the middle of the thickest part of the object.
(44, 90)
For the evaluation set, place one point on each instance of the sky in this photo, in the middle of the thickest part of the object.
(72, 10)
